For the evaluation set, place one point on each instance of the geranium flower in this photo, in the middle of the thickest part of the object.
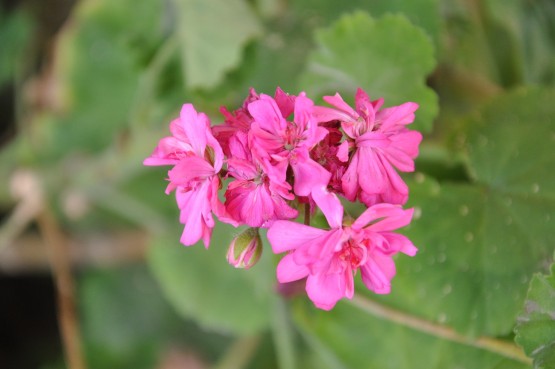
(197, 158)
(329, 259)
(259, 193)
(288, 143)
(381, 142)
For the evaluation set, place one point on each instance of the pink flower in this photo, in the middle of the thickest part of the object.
(197, 158)
(330, 259)
(381, 142)
(240, 120)
(258, 194)
(288, 143)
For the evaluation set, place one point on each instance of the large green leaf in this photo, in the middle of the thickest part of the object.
(423, 13)
(480, 243)
(99, 59)
(388, 57)
(213, 34)
(349, 338)
(535, 330)
(127, 323)
(201, 285)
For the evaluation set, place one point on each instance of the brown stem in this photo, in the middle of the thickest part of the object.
(60, 261)
(307, 214)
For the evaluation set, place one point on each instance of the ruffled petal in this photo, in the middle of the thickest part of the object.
(388, 217)
(308, 175)
(195, 126)
(289, 271)
(267, 114)
(285, 235)
(377, 273)
(330, 206)
(325, 289)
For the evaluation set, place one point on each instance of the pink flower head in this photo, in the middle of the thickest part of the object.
(288, 143)
(330, 259)
(197, 158)
(258, 194)
(381, 142)
(240, 120)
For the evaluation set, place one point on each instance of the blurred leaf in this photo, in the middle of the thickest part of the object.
(213, 34)
(522, 34)
(423, 13)
(535, 330)
(99, 60)
(480, 243)
(15, 31)
(129, 324)
(388, 57)
(201, 285)
(349, 338)
(465, 43)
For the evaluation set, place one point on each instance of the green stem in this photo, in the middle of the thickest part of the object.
(307, 214)
(239, 353)
(499, 347)
(283, 336)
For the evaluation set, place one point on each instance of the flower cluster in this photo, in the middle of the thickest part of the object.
(283, 153)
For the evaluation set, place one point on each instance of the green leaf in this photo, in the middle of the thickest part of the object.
(213, 34)
(99, 62)
(480, 243)
(201, 285)
(128, 323)
(423, 13)
(388, 57)
(535, 330)
(15, 29)
(350, 338)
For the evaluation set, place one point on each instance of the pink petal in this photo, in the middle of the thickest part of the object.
(308, 175)
(337, 101)
(389, 217)
(343, 151)
(285, 102)
(330, 206)
(285, 235)
(372, 177)
(396, 115)
(289, 271)
(325, 289)
(195, 126)
(349, 181)
(194, 207)
(189, 169)
(403, 150)
(267, 114)
(303, 112)
(364, 107)
(373, 140)
(377, 273)
(168, 152)
(400, 243)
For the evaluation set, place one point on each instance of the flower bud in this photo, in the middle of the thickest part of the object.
(245, 249)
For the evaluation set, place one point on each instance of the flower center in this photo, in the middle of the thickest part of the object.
(353, 254)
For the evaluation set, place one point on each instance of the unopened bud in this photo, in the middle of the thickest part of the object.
(245, 249)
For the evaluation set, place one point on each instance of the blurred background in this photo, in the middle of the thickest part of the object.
(87, 235)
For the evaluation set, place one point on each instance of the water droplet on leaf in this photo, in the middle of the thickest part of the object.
(463, 210)
(469, 237)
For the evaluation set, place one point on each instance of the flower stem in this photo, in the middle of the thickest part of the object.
(283, 336)
(307, 214)
(497, 346)
(59, 255)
